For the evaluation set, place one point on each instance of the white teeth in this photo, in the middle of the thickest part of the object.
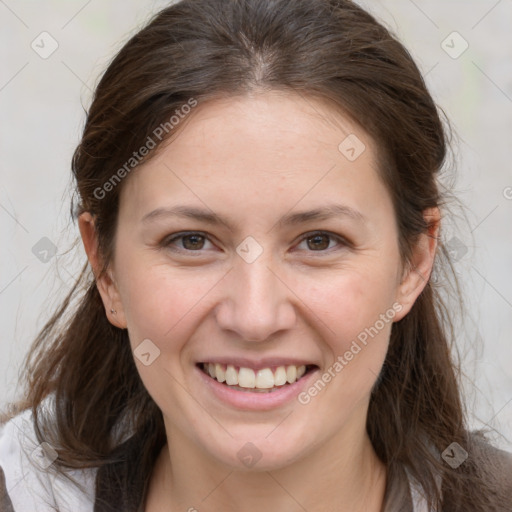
(291, 374)
(231, 375)
(280, 376)
(264, 378)
(220, 373)
(246, 378)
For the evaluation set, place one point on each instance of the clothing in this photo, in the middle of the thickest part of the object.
(27, 485)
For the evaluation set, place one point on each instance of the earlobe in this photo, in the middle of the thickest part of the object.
(420, 266)
(111, 299)
(104, 280)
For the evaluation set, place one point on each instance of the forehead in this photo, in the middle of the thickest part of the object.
(262, 146)
(284, 122)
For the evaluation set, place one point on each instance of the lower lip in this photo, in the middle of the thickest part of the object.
(255, 401)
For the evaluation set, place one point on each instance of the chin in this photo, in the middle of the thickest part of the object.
(259, 453)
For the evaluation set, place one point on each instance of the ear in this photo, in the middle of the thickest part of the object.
(417, 273)
(105, 281)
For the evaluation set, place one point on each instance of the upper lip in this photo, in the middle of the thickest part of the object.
(255, 364)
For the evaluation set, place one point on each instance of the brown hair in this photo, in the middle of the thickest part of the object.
(206, 49)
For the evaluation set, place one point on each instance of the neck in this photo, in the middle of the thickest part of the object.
(342, 474)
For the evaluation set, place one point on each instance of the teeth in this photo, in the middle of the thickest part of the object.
(246, 378)
(264, 378)
(280, 376)
(231, 375)
(220, 374)
(291, 374)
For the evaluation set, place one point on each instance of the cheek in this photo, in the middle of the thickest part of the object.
(157, 301)
(351, 302)
(164, 307)
(358, 313)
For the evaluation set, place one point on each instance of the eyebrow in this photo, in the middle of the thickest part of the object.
(290, 219)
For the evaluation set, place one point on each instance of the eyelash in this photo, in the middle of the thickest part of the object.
(166, 242)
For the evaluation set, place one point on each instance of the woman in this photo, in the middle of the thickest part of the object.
(258, 201)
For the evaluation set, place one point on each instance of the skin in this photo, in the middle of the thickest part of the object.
(251, 160)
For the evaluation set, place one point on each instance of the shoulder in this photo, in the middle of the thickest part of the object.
(27, 479)
(496, 465)
(489, 477)
(487, 467)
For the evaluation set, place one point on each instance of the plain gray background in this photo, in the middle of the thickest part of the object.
(41, 98)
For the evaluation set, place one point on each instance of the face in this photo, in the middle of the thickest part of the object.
(253, 284)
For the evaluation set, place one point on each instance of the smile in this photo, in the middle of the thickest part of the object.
(263, 380)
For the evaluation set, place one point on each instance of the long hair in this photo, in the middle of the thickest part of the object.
(205, 49)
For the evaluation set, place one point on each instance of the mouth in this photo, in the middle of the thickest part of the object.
(270, 379)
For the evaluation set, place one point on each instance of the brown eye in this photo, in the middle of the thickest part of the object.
(320, 241)
(185, 242)
(191, 242)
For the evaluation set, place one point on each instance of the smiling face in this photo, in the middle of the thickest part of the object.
(251, 283)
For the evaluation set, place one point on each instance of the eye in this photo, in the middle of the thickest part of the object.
(319, 241)
(190, 242)
(187, 242)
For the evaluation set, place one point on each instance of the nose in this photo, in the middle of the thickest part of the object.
(256, 303)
